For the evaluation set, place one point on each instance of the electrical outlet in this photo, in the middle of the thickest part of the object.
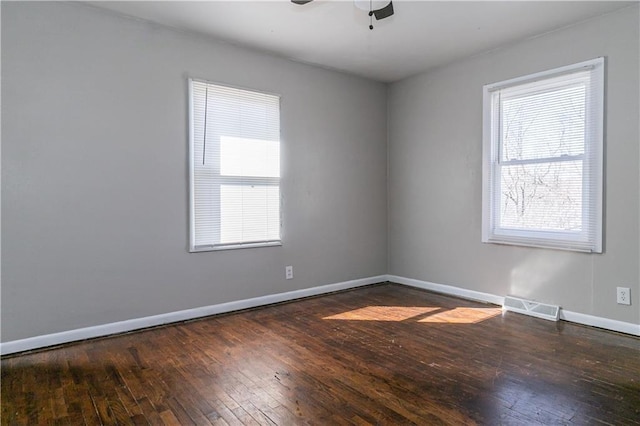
(624, 296)
(288, 272)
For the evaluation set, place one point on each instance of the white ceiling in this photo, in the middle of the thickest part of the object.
(335, 34)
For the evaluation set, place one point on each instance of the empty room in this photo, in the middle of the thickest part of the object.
(320, 212)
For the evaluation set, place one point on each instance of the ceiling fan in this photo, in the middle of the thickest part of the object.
(379, 8)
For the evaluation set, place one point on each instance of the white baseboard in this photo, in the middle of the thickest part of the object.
(600, 322)
(584, 319)
(448, 290)
(43, 341)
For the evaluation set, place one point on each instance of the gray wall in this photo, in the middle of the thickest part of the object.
(435, 127)
(94, 172)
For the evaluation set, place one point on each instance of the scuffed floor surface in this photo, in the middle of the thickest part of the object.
(384, 354)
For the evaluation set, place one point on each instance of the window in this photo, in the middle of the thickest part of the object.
(542, 159)
(234, 153)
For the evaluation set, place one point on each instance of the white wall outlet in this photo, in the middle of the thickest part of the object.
(288, 272)
(623, 296)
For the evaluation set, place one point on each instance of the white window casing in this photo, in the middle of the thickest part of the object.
(543, 159)
(234, 163)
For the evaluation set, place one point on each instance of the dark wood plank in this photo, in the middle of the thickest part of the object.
(384, 354)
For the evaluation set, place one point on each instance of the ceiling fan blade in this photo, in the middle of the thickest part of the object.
(368, 5)
(301, 2)
(385, 12)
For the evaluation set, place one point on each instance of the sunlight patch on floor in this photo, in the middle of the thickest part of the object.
(427, 314)
(383, 313)
(463, 315)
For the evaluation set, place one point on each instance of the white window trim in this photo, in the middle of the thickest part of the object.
(543, 239)
(193, 248)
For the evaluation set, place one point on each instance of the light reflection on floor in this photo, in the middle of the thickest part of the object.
(383, 313)
(463, 315)
(424, 313)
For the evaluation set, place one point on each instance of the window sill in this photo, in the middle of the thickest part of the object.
(199, 249)
(564, 245)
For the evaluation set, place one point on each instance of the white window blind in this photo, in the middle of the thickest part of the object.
(542, 149)
(234, 167)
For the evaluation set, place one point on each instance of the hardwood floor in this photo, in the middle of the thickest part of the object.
(384, 354)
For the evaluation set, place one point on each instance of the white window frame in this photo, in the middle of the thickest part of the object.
(587, 240)
(244, 180)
